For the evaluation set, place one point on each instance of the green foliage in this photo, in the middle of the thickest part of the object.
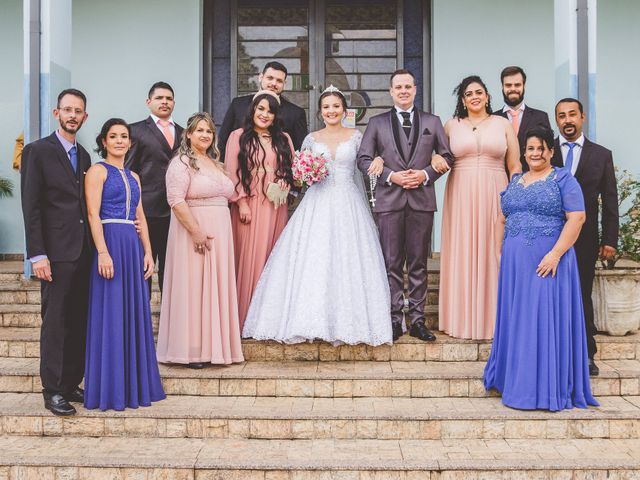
(629, 199)
(6, 187)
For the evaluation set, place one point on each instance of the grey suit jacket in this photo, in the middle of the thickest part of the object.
(384, 137)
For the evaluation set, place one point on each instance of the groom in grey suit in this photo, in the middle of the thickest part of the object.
(405, 138)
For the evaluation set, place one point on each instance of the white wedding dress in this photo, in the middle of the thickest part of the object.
(325, 278)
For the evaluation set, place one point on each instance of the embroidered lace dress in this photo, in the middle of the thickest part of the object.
(539, 354)
(325, 278)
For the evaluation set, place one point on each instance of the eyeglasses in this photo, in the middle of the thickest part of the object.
(70, 110)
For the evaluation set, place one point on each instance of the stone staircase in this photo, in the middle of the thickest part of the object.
(409, 411)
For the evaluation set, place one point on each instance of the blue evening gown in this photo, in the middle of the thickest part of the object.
(539, 355)
(121, 369)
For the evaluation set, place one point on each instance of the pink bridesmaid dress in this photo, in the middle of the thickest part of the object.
(468, 264)
(199, 313)
(253, 241)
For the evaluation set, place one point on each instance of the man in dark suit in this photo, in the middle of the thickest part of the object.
(592, 165)
(155, 141)
(405, 138)
(521, 116)
(293, 118)
(60, 248)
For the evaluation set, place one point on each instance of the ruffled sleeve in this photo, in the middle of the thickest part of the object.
(231, 164)
(570, 191)
(178, 179)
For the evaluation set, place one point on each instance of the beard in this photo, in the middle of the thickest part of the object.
(513, 103)
(71, 128)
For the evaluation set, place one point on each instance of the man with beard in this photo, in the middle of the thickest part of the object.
(292, 117)
(592, 165)
(521, 116)
(154, 142)
(59, 247)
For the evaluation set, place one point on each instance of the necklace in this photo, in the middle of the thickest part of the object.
(476, 125)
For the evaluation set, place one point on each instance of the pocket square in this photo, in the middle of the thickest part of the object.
(426, 131)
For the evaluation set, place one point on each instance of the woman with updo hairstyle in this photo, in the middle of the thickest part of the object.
(326, 277)
(199, 313)
(539, 356)
(121, 369)
(481, 144)
(258, 158)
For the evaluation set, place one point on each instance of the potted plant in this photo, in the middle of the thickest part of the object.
(616, 287)
(6, 187)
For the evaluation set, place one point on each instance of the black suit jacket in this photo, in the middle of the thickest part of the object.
(53, 203)
(292, 117)
(149, 157)
(531, 117)
(597, 178)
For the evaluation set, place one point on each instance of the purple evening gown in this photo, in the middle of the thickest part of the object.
(539, 355)
(121, 369)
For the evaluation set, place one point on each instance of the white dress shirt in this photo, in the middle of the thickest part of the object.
(577, 151)
(399, 113)
(172, 126)
(507, 109)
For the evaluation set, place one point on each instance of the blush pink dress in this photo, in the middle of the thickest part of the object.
(254, 241)
(468, 264)
(199, 312)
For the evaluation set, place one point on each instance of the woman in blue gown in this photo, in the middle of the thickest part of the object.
(121, 369)
(539, 355)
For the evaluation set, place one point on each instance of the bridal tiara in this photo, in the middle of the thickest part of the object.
(332, 89)
(267, 92)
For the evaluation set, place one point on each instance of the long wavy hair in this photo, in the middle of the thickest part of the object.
(252, 154)
(185, 150)
(461, 111)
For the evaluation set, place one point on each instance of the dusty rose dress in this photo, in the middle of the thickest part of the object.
(253, 241)
(199, 313)
(468, 265)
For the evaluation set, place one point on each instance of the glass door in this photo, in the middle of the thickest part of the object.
(350, 44)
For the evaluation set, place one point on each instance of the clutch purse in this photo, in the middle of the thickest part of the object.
(276, 195)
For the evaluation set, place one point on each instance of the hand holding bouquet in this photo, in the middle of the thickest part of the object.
(309, 168)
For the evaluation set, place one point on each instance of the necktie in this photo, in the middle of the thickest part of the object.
(568, 163)
(73, 156)
(166, 131)
(515, 120)
(406, 123)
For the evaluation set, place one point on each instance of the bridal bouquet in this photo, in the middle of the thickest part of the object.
(309, 168)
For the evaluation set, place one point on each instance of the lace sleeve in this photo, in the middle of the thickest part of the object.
(307, 143)
(178, 180)
(357, 139)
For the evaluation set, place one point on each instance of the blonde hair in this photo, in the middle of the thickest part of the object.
(185, 149)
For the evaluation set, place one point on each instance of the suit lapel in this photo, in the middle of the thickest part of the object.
(177, 140)
(399, 141)
(415, 133)
(155, 131)
(524, 123)
(585, 157)
(62, 157)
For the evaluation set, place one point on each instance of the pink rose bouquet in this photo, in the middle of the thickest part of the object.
(309, 168)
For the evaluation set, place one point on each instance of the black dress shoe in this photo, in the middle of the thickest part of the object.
(196, 365)
(75, 395)
(419, 330)
(57, 405)
(594, 371)
(396, 329)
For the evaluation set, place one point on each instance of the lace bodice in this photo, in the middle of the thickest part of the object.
(539, 209)
(342, 168)
(115, 193)
(186, 184)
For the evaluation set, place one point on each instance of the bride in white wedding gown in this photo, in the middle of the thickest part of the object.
(326, 277)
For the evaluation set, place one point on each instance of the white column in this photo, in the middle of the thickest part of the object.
(566, 48)
(593, 46)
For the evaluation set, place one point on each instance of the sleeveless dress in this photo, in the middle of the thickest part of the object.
(539, 354)
(326, 277)
(468, 264)
(253, 241)
(121, 369)
(199, 314)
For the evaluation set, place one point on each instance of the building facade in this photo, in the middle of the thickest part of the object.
(212, 50)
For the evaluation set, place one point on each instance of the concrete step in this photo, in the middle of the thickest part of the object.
(209, 459)
(28, 315)
(23, 342)
(342, 379)
(290, 418)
